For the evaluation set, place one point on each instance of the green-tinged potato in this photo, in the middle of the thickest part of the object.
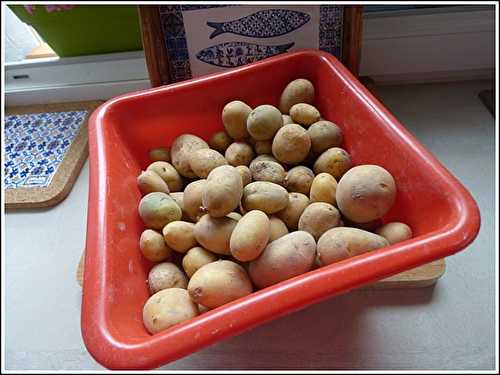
(286, 119)
(158, 209)
(159, 154)
(214, 233)
(196, 258)
(319, 217)
(291, 144)
(178, 197)
(324, 135)
(263, 122)
(340, 243)
(166, 275)
(222, 192)
(335, 161)
(179, 235)
(366, 193)
(153, 246)
(284, 258)
(234, 118)
(304, 114)
(149, 182)
(239, 153)
(324, 188)
(277, 228)
(245, 173)
(270, 171)
(192, 200)
(297, 203)
(299, 180)
(220, 141)
(181, 150)
(264, 196)
(218, 283)
(298, 91)
(203, 161)
(166, 308)
(168, 173)
(250, 236)
(263, 147)
(234, 215)
(395, 232)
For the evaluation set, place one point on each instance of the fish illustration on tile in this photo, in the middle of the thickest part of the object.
(232, 54)
(262, 24)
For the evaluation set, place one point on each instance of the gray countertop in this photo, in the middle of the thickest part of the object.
(449, 326)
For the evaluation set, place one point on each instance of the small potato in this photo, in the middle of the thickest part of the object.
(234, 215)
(263, 122)
(218, 283)
(264, 196)
(178, 197)
(160, 154)
(324, 135)
(323, 189)
(299, 180)
(149, 182)
(166, 308)
(335, 161)
(179, 235)
(239, 153)
(304, 114)
(264, 157)
(214, 233)
(166, 275)
(298, 91)
(181, 150)
(297, 203)
(222, 192)
(153, 246)
(340, 243)
(168, 173)
(284, 258)
(291, 144)
(268, 171)
(286, 119)
(263, 147)
(278, 228)
(319, 217)
(250, 236)
(246, 175)
(192, 200)
(203, 161)
(234, 118)
(395, 232)
(366, 193)
(196, 258)
(158, 209)
(220, 141)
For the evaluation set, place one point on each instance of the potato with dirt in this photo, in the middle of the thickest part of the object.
(270, 171)
(149, 182)
(222, 191)
(167, 308)
(153, 246)
(158, 209)
(297, 91)
(203, 161)
(299, 180)
(324, 135)
(291, 144)
(263, 122)
(181, 150)
(366, 193)
(166, 275)
(168, 174)
(218, 283)
(341, 243)
(239, 153)
(335, 161)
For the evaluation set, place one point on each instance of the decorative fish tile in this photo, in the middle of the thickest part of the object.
(35, 145)
(232, 54)
(263, 24)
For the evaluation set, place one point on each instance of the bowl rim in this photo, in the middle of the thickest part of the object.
(190, 336)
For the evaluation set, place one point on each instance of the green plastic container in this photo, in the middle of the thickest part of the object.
(86, 29)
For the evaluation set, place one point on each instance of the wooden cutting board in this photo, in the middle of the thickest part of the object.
(418, 277)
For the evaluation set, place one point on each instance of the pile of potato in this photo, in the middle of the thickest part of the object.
(270, 198)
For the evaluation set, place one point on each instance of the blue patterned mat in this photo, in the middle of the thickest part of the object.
(35, 146)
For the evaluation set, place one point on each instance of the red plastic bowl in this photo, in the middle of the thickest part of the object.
(443, 215)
